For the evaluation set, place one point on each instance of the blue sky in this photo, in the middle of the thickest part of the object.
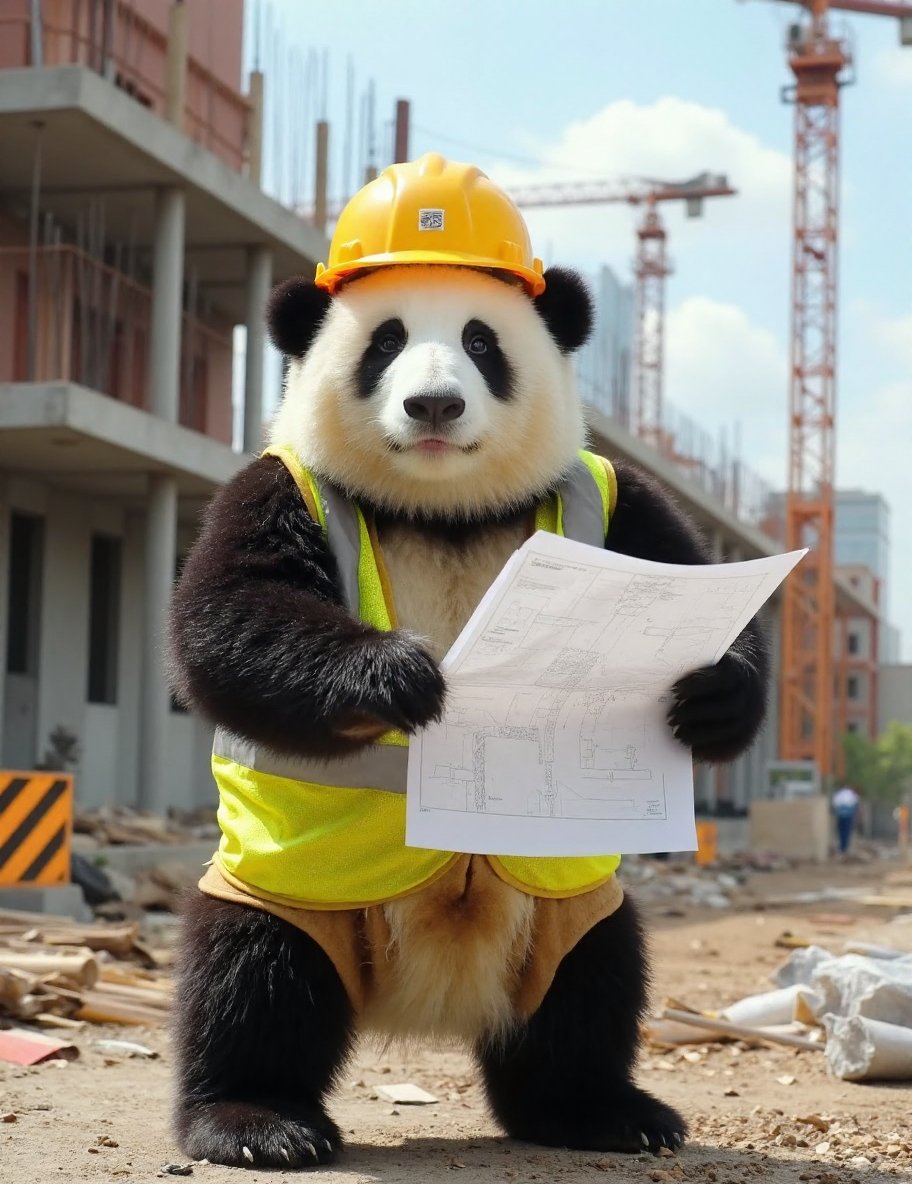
(542, 90)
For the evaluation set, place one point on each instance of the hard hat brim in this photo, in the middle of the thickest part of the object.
(330, 278)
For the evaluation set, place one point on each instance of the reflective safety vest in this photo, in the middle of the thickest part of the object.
(331, 834)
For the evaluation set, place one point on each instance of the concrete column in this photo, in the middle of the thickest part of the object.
(167, 302)
(176, 66)
(705, 785)
(259, 281)
(255, 128)
(160, 551)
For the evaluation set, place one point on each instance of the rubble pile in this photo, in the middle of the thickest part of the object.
(56, 973)
(679, 884)
(856, 1007)
(122, 826)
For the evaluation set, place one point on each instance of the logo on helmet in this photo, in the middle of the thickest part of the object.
(430, 219)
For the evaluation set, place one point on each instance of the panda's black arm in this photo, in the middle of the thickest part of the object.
(262, 644)
(718, 711)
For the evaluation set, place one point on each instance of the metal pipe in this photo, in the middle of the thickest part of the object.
(401, 146)
(320, 180)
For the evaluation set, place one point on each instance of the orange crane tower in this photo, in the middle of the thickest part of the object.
(819, 61)
(651, 268)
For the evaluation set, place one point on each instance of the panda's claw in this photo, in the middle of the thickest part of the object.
(253, 1135)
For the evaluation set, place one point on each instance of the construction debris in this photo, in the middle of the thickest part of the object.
(54, 972)
(862, 1049)
(714, 1028)
(405, 1094)
(856, 1007)
(21, 1046)
(682, 883)
(127, 1047)
(119, 826)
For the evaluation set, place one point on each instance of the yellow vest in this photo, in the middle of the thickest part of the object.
(331, 835)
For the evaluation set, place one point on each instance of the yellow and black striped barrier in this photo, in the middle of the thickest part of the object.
(36, 826)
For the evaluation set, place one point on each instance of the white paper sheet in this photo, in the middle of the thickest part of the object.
(554, 739)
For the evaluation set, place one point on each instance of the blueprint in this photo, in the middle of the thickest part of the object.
(554, 739)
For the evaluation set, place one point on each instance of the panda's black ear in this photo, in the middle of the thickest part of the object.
(566, 308)
(296, 311)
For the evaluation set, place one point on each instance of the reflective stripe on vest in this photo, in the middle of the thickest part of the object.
(313, 832)
(379, 767)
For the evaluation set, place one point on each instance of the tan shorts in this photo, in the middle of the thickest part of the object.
(358, 941)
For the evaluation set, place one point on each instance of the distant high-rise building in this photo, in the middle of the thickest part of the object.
(603, 364)
(862, 535)
(861, 643)
(862, 540)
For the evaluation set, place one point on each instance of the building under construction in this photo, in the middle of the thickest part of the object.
(134, 236)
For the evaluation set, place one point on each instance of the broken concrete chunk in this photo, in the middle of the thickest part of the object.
(405, 1094)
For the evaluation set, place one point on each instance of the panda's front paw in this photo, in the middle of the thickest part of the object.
(400, 683)
(254, 1135)
(718, 710)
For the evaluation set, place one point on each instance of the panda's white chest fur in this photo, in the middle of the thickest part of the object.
(452, 978)
(437, 584)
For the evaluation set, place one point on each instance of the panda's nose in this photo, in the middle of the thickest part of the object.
(434, 410)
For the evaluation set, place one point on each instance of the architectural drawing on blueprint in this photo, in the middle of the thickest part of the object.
(509, 767)
(558, 692)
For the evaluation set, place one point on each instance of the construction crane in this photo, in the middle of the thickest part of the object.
(651, 268)
(821, 64)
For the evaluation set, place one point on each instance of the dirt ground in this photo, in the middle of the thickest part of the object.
(103, 1117)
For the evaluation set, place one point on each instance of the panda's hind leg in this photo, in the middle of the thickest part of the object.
(563, 1079)
(263, 1026)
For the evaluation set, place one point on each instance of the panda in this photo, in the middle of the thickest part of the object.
(439, 400)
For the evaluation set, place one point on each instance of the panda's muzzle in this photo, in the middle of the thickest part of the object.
(435, 410)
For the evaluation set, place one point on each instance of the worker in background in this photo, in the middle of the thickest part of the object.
(845, 806)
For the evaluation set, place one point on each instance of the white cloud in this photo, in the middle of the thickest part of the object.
(893, 67)
(895, 334)
(723, 370)
(670, 139)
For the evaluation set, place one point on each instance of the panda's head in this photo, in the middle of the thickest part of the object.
(433, 391)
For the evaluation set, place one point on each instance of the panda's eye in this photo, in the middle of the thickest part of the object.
(478, 345)
(389, 338)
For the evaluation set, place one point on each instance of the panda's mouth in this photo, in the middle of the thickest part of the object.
(432, 446)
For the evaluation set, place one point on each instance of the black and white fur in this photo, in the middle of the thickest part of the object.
(264, 646)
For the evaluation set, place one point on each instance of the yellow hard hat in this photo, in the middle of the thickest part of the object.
(431, 210)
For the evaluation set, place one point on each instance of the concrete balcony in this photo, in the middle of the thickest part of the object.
(121, 44)
(85, 442)
(60, 125)
(77, 319)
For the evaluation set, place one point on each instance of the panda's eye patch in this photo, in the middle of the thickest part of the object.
(386, 342)
(389, 337)
(480, 343)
